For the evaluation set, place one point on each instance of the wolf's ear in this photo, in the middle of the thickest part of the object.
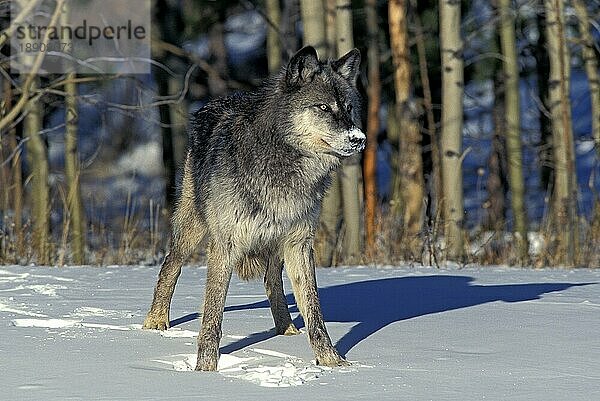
(348, 65)
(302, 67)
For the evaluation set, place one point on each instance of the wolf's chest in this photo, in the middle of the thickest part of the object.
(261, 218)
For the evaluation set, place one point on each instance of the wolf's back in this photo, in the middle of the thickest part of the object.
(206, 125)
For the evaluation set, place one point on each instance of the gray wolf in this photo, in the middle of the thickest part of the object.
(257, 167)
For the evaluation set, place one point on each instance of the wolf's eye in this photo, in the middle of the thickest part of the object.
(349, 108)
(324, 107)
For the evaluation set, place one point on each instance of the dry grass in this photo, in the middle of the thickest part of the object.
(141, 236)
(141, 239)
(395, 246)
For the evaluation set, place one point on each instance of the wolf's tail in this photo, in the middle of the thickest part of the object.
(188, 230)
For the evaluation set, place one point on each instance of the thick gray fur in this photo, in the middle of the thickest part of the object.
(257, 167)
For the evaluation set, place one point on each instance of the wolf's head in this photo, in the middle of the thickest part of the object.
(325, 103)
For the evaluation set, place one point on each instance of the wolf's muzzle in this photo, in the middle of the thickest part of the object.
(357, 140)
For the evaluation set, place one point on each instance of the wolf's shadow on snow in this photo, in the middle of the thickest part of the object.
(374, 304)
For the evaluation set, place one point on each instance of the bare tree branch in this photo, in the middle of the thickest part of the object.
(31, 75)
(17, 20)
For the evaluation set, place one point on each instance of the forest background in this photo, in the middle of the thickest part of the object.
(482, 117)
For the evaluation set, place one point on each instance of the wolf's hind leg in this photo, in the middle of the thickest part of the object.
(218, 275)
(158, 316)
(274, 289)
(187, 235)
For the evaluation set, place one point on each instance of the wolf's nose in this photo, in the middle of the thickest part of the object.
(357, 141)
(357, 138)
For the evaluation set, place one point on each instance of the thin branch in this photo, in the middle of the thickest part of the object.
(484, 56)
(34, 69)
(171, 99)
(206, 67)
(17, 20)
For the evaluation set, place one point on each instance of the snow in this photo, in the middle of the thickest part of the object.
(411, 333)
(46, 323)
(145, 158)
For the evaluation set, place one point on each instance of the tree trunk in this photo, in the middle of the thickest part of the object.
(401, 73)
(436, 174)
(73, 172)
(72, 165)
(5, 205)
(330, 11)
(167, 20)
(17, 194)
(166, 127)
(218, 58)
(565, 188)
(290, 15)
(374, 95)
(591, 67)
(273, 39)
(313, 21)
(329, 224)
(411, 187)
(451, 48)
(40, 192)
(513, 127)
(542, 66)
(5, 181)
(16, 177)
(496, 180)
(351, 169)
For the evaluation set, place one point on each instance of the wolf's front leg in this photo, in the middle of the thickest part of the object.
(218, 275)
(300, 266)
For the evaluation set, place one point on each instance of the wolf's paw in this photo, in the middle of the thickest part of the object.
(332, 359)
(156, 321)
(290, 330)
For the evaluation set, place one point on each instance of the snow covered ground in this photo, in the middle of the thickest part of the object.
(413, 334)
